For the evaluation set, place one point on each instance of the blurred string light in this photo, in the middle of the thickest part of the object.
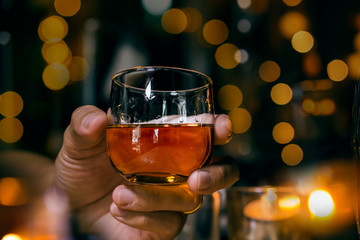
(283, 132)
(62, 66)
(302, 41)
(316, 85)
(241, 56)
(194, 19)
(156, 7)
(337, 70)
(67, 8)
(291, 23)
(292, 154)
(13, 191)
(174, 21)
(292, 3)
(226, 56)
(230, 97)
(281, 93)
(269, 71)
(215, 32)
(353, 62)
(11, 128)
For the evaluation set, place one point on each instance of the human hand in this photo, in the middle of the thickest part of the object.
(107, 204)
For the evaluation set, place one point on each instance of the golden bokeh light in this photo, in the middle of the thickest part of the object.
(308, 105)
(337, 70)
(281, 93)
(312, 64)
(56, 76)
(11, 130)
(326, 107)
(291, 23)
(174, 21)
(292, 154)
(292, 3)
(283, 132)
(156, 7)
(194, 19)
(11, 104)
(55, 52)
(13, 191)
(11, 236)
(67, 8)
(321, 204)
(244, 4)
(53, 28)
(78, 68)
(230, 97)
(215, 32)
(225, 56)
(241, 120)
(269, 71)
(302, 41)
(353, 62)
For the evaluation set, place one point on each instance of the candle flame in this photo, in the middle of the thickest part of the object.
(289, 202)
(11, 236)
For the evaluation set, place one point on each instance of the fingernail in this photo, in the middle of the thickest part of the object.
(125, 197)
(204, 180)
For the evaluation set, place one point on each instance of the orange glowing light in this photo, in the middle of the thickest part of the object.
(11, 130)
(53, 28)
(11, 236)
(230, 97)
(11, 104)
(302, 41)
(13, 191)
(56, 76)
(321, 204)
(269, 71)
(174, 21)
(337, 70)
(281, 93)
(78, 68)
(67, 8)
(292, 154)
(55, 52)
(225, 56)
(194, 19)
(292, 22)
(241, 120)
(283, 132)
(215, 32)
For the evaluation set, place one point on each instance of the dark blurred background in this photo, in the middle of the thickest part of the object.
(284, 70)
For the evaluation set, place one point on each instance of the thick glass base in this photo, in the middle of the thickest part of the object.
(156, 178)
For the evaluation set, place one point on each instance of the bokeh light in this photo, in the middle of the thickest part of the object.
(321, 204)
(353, 62)
(241, 56)
(225, 56)
(11, 236)
(241, 120)
(55, 52)
(308, 105)
(53, 28)
(229, 97)
(283, 132)
(302, 41)
(244, 25)
(281, 93)
(215, 32)
(312, 64)
(56, 76)
(337, 70)
(194, 19)
(291, 23)
(78, 68)
(174, 21)
(156, 7)
(11, 129)
(269, 71)
(292, 154)
(13, 191)
(67, 8)
(292, 3)
(244, 4)
(11, 104)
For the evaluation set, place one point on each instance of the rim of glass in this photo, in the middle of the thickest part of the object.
(154, 68)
